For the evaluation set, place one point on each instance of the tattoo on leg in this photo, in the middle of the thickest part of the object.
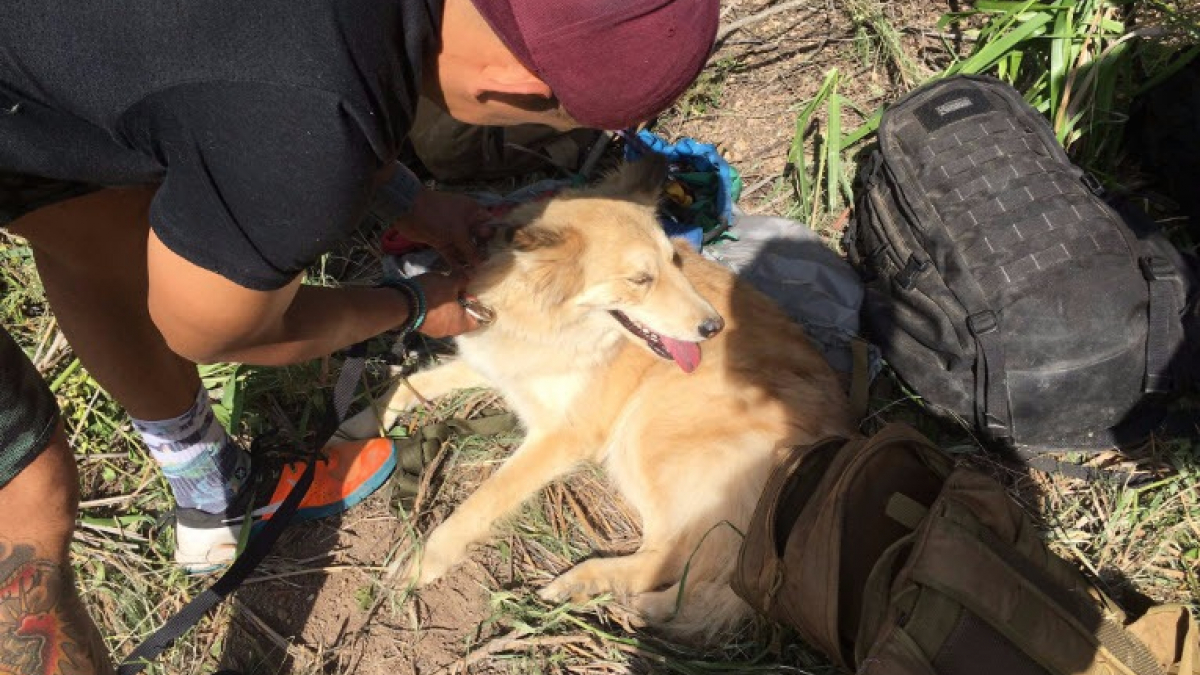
(44, 628)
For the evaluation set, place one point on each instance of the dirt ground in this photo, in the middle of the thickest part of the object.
(317, 605)
(764, 72)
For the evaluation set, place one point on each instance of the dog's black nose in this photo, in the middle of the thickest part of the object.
(711, 326)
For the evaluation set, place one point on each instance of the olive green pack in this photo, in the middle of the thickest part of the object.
(891, 560)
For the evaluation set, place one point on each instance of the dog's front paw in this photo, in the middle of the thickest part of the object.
(578, 584)
(431, 563)
(556, 591)
(417, 573)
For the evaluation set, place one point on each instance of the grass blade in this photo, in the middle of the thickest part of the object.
(833, 147)
(990, 53)
(796, 152)
(866, 129)
(1060, 55)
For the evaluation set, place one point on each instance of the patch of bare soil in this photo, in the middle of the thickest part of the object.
(318, 605)
(763, 73)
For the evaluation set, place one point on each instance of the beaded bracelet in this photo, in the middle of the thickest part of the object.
(416, 303)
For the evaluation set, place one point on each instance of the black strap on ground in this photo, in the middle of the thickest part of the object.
(262, 542)
(860, 378)
(257, 549)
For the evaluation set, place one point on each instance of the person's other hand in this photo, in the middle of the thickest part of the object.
(452, 224)
(444, 315)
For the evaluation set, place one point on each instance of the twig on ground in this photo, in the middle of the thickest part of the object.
(582, 518)
(107, 501)
(41, 357)
(507, 644)
(314, 570)
(86, 411)
(101, 542)
(732, 27)
(923, 32)
(758, 185)
(296, 651)
(840, 223)
(427, 480)
(115, 531)
(558, 511)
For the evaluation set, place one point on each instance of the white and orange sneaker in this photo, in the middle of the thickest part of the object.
(346, 474)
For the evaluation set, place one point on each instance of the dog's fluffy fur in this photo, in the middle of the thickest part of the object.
(689, 451)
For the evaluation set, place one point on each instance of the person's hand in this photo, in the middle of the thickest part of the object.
(444, 316)
(452, 224)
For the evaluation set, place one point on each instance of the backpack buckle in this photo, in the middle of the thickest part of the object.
(982, 323)
(1093, 184)
(1155, 268)
(907, 277)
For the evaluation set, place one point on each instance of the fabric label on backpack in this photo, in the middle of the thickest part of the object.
(951, 107)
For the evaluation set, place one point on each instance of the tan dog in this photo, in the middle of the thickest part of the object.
(615, 347)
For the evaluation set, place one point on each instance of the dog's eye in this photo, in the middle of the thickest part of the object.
(642, 279)
(676, 260)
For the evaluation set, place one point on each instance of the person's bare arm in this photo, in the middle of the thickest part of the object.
(206, 318)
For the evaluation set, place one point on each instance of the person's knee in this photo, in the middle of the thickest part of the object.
(40, 503)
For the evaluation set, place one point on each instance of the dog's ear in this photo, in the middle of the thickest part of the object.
(641, 180)
(552, 267)
(526, 238)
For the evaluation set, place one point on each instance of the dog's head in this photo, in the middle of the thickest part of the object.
(599, 255)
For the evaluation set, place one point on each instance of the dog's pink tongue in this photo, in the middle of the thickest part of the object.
(686, 354)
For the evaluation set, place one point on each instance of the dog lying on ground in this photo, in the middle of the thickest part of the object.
(614, 346)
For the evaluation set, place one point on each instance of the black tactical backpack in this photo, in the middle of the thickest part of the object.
(1003, 288)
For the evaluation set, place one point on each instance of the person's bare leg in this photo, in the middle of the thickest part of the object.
(91, 256)
(44, 627)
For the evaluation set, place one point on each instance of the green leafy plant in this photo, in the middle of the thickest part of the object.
(1079, 62)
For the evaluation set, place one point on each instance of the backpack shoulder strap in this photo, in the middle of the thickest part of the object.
(1164, 331)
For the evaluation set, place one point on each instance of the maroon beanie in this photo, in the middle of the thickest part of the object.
(611, 63)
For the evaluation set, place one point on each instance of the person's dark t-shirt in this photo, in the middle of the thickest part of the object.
(264, 120)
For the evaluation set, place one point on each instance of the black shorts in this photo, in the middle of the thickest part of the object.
(28, 412)
(21, 193)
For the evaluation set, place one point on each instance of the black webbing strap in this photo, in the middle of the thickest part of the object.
(1163, 328)
(261, 543)
(257, 549)
(991, 376)
(860, 378)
